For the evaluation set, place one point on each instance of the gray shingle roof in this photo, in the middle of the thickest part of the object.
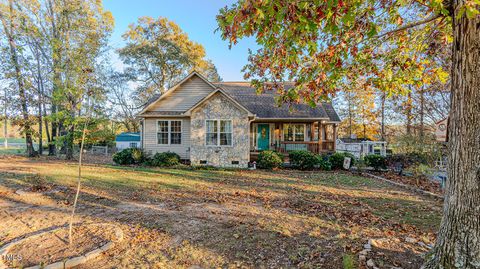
(162, 113)
(264, 105)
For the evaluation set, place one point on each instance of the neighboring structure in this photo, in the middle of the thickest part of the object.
(441, 128)
(227, 123)
(360, 147)
(128, 140)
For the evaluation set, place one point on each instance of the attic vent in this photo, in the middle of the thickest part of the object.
(203, 161)
(235, 162)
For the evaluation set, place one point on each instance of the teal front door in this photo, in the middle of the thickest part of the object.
(263, 136)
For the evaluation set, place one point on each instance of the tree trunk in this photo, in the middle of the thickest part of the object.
(350, 116)
(40, 128)
(47, 131)
(458, 241)
(408, 111)
(422, 114)
(19, 78)
(384, 95)
(5, 119)
(69, 143)
(52, 148)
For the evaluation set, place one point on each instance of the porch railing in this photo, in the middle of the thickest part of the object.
(312, 146)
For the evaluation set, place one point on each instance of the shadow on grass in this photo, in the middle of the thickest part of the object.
(238, 238)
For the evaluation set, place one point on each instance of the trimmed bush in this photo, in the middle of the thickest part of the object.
(269, 159)
(128, 156)
(165, 159)
(323, 163)
(376, 161)
(337, 159)
(407, 159)
(302, 159)
(138, 156)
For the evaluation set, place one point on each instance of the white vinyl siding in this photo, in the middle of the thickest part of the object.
(150, 137)
(185, 96)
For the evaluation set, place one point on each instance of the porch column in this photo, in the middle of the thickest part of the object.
(319, 134)
(334, 137)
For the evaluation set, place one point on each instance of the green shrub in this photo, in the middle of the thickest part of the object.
(138, 156)
(337, 159)
(407, 159)
(165, 159)
(303, 159)
(323, 163)
(269, 159)
(125, 157)
(376, 161)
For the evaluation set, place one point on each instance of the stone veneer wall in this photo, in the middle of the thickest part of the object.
(218, 107)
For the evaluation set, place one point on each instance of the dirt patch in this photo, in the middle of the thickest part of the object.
(51, 247)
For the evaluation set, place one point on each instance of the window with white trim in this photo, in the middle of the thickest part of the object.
(218, 133)
(169, 132)
(176, 132)
(225, 133)
(294, 132)
(162, 132)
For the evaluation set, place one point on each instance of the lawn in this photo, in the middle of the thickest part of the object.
(177, 218)
(12, 140)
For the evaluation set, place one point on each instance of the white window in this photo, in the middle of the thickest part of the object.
(218, 133)
(294, 132)
(176, 132)
(169, 132)
(225, 133)
(162, 132)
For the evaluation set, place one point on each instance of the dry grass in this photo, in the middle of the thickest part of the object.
(176, 218)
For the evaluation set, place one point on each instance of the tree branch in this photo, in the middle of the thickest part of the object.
(411, 25)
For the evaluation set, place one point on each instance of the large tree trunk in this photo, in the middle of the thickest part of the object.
(458, 242)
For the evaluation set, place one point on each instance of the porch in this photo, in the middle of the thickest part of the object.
(315, 136)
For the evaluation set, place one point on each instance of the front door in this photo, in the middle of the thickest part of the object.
(263, 136)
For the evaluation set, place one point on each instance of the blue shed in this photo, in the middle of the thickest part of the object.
(127, 140)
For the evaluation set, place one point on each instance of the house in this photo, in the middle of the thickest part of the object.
(360, 147)
(441, 128)
(227, 124)
(127, 140)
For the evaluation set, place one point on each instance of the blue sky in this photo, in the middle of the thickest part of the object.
(196, 18)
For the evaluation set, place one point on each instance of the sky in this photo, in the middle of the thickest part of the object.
(196, 18)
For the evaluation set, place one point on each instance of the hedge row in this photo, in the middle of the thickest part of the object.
(137, 156)
(303, 160)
